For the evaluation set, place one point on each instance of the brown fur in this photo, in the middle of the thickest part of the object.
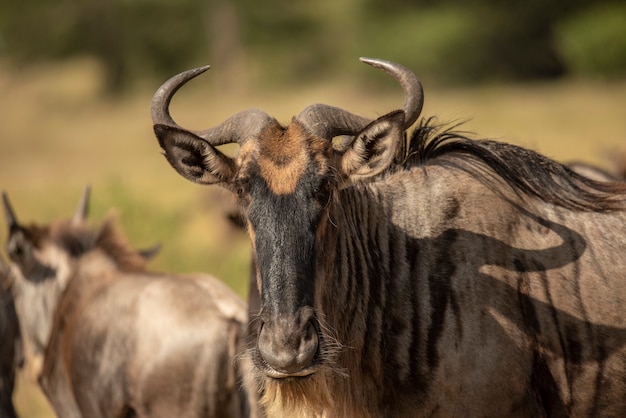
(113, 242)
(283, 159)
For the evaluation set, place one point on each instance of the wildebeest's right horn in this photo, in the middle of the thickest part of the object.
(329, 121)
(237, 128)
(83, 207)
(9, 215)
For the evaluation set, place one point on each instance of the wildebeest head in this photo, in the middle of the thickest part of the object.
(42, 262)
(40, 268)
(25, 242)
(284, 178)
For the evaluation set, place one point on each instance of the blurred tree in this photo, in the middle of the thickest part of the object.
(593, 41)
(288, 37)
(285, 40)
(223, 33)
(104, 29)
(484, 39)
(131, 38)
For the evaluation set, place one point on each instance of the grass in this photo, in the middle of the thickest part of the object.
(57, 134)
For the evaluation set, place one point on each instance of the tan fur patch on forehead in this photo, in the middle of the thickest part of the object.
(283, 157)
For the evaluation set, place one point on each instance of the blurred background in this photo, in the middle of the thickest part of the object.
(76, 79)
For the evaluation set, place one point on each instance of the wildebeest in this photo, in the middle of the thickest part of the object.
(594, 172)
(10, 348)
(418, 273)
(118, 340)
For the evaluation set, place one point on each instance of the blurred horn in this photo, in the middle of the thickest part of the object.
(9, 215)
(82, 210)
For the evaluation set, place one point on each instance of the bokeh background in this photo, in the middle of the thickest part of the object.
(77, 76)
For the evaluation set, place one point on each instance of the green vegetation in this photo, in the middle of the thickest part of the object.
(593, 42)
(275, 42)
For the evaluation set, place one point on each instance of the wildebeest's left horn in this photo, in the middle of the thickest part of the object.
(237, 128)
(328, 121)
(83, 207)
(413, 90)
(9, 215)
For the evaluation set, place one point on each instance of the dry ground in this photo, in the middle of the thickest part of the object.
(57, 134)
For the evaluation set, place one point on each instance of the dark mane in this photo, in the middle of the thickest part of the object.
(524, 170)
(80, 239)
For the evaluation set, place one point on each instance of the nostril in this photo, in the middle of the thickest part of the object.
(286, 350)
(308, 344)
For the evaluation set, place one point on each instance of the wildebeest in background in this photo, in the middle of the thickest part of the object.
(436, 276)
(594, 172)
(10, 345)
(117, 340)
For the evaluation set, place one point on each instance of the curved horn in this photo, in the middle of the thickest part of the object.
(413, 90)
(80, 215)
(328, 121)
(237, 128)
(9, 215)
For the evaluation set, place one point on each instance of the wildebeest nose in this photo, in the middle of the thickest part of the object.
(288, 349)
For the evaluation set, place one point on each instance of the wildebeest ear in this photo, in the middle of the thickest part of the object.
(192, 157)
(151, 252)
(374, 148)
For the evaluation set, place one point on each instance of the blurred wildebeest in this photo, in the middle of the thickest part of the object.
(594, 172)
(421, 273)
(10, 347)
(120, 341)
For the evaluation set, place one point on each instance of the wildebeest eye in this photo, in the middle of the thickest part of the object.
(240, 188)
